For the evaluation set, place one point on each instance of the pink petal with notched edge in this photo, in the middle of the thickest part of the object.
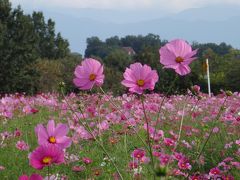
(42, 134)
(180, 47)
(64, 142)
(60, 130)
(79, 82)
(51, 127)
(183, 70)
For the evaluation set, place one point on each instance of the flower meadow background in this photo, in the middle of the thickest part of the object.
(134, 107)
(137, 135)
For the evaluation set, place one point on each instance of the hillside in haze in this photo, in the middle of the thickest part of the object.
(209, 24)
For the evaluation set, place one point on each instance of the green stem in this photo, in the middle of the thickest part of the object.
(148, 136)
(180, 130)
(160, 107)
(119, 110)
(94, 137)
(210, 134)
(48, 169)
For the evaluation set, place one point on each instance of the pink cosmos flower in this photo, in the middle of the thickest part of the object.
(177, 55)
(196, 89)
(17, 133)
(184, 164)
(53, 135)
(145, 160)
(164, 159)
(169, 142)
(178, 156)
(133, 165)
(45, 155)
(214, 171)
(90, 73)
(104, 125)
(21, 145)
(138, 153)
(237, 142)
(87, 160)
(2, 168)
(139, 78)
(78, 168)
(32, 177)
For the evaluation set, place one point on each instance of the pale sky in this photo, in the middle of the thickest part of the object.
(169, 5)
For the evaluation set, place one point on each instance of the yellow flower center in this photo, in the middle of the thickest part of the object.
(140, 82)
(47, 160)
(92, 77)
(52, 140)
(179, 59)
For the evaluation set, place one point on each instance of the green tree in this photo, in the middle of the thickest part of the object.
(23, 40)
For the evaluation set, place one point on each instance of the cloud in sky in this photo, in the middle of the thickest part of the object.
(170, 5)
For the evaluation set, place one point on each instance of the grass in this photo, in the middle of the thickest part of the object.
(120, 143)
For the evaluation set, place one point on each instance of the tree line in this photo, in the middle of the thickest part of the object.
(224, 63)
(34, 58)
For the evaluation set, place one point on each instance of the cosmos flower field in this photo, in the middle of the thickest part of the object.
(137, 135)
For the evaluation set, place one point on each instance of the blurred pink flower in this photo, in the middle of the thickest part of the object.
(21, 145)
(46, 155)
(87, 160)
(32, 177)
(215, 129)
(145, 160)
(237, 142)
(196, 89)
(214, 171)
(90, 73)
(53, 135)
(169, 142)
(17, 133)
(133, 165)
(2, 168)
(104, 125)
(177, 55)
(78, 168)
(184, 164)
(139, 78)
(138, 153)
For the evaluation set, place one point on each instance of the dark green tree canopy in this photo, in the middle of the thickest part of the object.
(24, 39)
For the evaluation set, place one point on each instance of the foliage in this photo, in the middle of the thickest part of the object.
(222, 60)
(23, 40)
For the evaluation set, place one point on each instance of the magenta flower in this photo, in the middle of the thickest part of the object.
(22, 146)
(32, 177)
(87, 160)
(177, 54)
(138, 153)
(169, 142)
(90, 73)
(214, 171)
(196, 89)
(184, 164)
(53, 135)
(46, 155)
(139, 78)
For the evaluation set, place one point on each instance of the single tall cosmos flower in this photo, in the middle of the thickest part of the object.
(90, 73)
(139, 78)
(46, 155)
(177, 54)
(53, 135)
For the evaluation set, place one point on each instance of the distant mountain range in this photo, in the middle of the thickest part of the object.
(208, 24)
